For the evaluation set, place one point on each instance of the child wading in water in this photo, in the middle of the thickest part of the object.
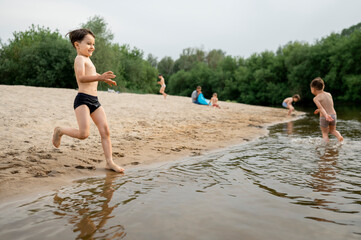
(162, 84)
(287, 103)
(86, 104)
(214, 101)
(324, 103)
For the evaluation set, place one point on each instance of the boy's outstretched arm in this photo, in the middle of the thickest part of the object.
(106, 77)
(79, 68)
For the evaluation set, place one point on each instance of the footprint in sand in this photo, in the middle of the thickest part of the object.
(56, 150)
(31, 159)
(52, 173)
(31, 149)
(96, 160)
(45, 156)
(11, 166)
(117, 154)
(12, 153)
(252, 125)
(37, 172)
(85, 167)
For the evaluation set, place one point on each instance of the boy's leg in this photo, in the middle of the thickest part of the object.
(289, 110)
(335, 133)
(82, 114)
(100, 121)
(325, 133)
(161, 90)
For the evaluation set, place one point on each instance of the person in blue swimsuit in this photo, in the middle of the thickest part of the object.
(287, 103)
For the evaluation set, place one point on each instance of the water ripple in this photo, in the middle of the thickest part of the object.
(289, 180)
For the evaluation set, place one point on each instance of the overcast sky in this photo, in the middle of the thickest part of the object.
(166, 27)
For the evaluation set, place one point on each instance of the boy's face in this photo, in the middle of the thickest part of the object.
(199, 89)
(313, 91)
(86, 46)
(295, 99)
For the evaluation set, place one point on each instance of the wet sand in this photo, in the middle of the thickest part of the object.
(145, 129)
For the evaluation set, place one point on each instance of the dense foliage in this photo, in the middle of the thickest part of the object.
(37, 57)
(40, 57)
(267, 78)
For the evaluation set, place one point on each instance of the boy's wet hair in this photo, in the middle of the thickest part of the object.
(199, 87)
(317, 83)
(296, 96)
(78, 35)
(160, 75)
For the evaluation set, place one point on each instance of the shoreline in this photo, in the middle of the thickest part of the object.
(145, 129)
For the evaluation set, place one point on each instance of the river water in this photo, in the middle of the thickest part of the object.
(288, 185)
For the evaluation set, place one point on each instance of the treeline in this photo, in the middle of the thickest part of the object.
(268, 77)
(40, 57)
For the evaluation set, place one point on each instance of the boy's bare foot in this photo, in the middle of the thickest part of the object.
(56, 137)
(114, 167)
(340, 139)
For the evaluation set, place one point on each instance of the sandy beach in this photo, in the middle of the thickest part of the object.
(145, 129)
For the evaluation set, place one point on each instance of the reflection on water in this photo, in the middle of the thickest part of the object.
(89, 209)
(289, 128)
(289, 185)
(324, 178)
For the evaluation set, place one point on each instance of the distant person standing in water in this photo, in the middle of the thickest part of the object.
(86, 104)
(324, 103)
(195, 94)
(287, 103)
(162, 84)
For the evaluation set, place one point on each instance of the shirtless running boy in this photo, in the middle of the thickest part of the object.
(162, 84)
(86, 104)
(324, 103)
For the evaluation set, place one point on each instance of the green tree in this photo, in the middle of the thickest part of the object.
(37, 57)
(153, 61)
(188, 59)
(214, 57)
(138, 74)
(165, 66)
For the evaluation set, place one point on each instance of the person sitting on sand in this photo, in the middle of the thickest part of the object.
(195, 94)
(86, 104)
(287, 103)
(162, 84)
(324, 103)
(214, 101)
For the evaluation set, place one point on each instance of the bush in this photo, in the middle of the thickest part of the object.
(37, 57)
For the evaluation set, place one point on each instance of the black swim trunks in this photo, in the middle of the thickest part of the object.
(89, 100)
